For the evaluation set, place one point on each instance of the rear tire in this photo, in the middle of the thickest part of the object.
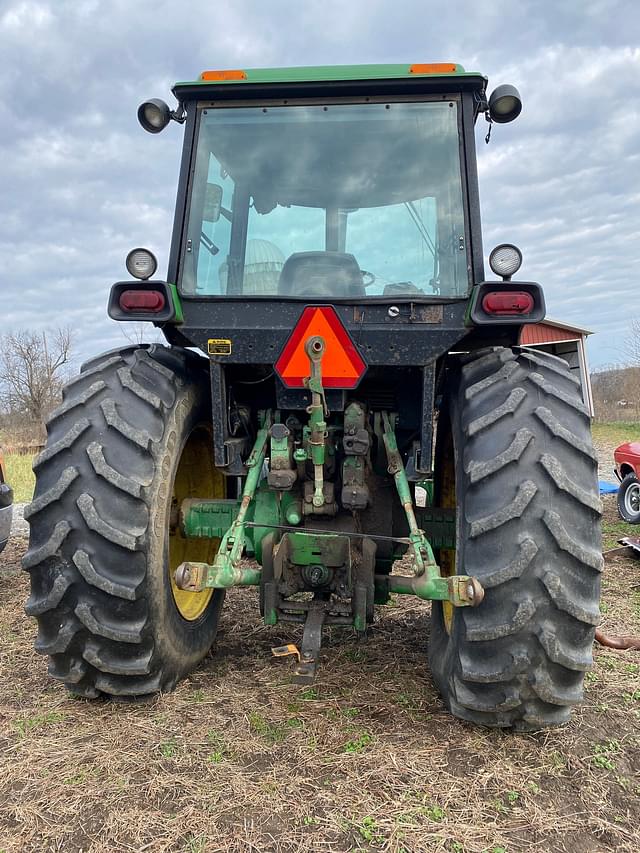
(514, 438)
(101, 548)
(629, 499)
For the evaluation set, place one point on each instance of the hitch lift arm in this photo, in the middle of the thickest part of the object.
(427, 583)
(226, 571)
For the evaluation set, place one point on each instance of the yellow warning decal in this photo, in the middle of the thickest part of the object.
(219, 346)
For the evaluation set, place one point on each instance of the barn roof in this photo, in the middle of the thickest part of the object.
(548, 321)
(551, 332)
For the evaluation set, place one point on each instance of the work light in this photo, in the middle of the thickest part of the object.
(154, 115)
(505, 104)
(505, 260)
(141, 263)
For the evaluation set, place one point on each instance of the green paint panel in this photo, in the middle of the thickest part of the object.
(327, 73)
(308, 549)
(266, 512)
(177, 305)
(291, 508)
(427, 485)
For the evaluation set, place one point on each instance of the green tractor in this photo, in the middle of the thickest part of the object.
(342, 388)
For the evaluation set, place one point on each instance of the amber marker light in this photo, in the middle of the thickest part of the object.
(224, 75)
(432, 68)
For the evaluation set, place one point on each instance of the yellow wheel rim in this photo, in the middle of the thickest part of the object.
(447, 557)
(196, 477)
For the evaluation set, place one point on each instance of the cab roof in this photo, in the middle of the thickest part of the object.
(321, 78)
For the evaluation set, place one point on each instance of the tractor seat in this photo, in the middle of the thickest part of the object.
(325, 275)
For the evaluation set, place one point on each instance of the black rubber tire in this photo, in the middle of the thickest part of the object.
(528, 527)
(99, 541)
(630, 484)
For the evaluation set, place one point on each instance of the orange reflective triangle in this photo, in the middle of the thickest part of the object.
(342, 365)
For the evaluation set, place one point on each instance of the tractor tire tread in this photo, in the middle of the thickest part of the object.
(62, 444)
(95, 452)
(526, 463)
(89, 518)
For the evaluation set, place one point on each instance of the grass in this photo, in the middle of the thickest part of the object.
(169, 748)
(27, 725)
(359, 744)
(615, 432)
(19, 475)
(273, 733)
(614, 529)
(603, 754)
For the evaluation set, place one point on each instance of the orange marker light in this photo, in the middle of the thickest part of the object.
(223, 75)
(432, 68)
(342, 365)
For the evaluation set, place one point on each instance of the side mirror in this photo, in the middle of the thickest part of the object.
(212, 203)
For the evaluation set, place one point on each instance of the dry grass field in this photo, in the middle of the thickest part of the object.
(239, 759)
(20, 475)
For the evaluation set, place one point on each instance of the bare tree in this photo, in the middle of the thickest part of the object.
(631, 344)
(33, 369)
(616, 392)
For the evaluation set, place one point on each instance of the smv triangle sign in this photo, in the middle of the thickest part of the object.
(342, 364)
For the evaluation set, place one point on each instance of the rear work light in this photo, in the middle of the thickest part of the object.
(502, 303)
(142, 300)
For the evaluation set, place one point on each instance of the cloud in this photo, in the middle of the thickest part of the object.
(565, 186)
(82, 183)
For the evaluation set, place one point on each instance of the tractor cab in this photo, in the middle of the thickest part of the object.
(353, 185)
(361, 189)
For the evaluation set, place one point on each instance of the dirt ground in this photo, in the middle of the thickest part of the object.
(239, 759)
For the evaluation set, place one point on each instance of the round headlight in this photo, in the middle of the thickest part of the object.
(505, 104)
(154, 115)
(505, 260)
(141, 263)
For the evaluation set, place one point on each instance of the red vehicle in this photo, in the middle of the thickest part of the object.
(627, 458)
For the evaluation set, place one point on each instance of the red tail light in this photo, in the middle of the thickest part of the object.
(142, 300)
(508, 302)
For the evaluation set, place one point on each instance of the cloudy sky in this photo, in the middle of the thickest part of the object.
(82, 183)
